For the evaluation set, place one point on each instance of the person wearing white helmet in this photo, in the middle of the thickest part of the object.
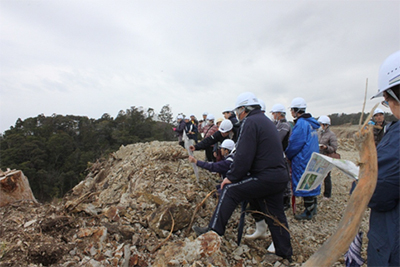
(225, 131)
(190, 129)
(229, 114)
(203, 123)
(180, 128)
(194, 120)
(222, 166)
(284, 129)
(258, 174)
(379, 120)
(302, 143)
(327, 145)
(383, 236)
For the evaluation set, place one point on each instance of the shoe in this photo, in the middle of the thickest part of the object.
(288, 258)
(306, 215)
(260, 232)
(200, 230)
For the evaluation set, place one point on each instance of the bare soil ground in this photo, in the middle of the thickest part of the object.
(34, 234)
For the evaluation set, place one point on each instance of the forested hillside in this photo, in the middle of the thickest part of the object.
(54, 152)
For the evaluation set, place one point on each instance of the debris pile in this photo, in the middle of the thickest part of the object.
(135, 209)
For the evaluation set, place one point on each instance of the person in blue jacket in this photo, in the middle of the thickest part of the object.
(257, 173)
(302, 143)
(383, 236)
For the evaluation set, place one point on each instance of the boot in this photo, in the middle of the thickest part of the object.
(200, 230)
(316, 205)
(261, 231)
(271, 248)
(310, 204)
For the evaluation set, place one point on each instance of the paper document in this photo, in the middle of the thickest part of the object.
(318, 167)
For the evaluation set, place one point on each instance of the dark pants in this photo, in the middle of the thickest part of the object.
(328, 185)
(209, 154)
(259, 191)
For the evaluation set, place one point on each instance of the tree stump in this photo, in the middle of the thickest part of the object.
(14, 186)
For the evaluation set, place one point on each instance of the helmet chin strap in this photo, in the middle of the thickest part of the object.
(392, 94)
(239, 112)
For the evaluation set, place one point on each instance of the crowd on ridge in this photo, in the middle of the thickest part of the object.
(261, 161)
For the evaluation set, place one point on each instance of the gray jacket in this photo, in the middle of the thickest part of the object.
(328, 138)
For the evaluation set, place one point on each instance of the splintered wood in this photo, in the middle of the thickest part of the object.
(14, 186)
(339, 242)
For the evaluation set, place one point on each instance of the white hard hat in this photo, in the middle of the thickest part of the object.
(262, 104)
(228, 144)
(225, 126)
(205, 113)
(298, 102)
(278, 108)
(187, 118)
(180, 117)
(389, 73)
(227, 110)
(324, 120)
(246, 99)
(377, 111)
(192, 115)
(210, 117)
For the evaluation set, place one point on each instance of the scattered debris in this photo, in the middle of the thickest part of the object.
(124, 210)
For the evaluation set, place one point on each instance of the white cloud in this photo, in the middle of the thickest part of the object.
(95, 57)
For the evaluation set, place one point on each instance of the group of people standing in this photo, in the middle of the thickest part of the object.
(263, 161)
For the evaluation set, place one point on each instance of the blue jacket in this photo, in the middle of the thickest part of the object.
(221, 167)
(383, 235)
(302, 143)
(258, 151)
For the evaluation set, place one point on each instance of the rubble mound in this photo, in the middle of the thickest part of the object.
(136, 208)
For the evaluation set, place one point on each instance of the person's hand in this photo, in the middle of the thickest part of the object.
(192, 148)
(192, 159)
(215, 154)
(224, 182)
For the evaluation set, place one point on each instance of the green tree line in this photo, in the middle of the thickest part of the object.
(54, 151)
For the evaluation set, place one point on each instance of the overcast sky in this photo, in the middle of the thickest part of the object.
(93, 57)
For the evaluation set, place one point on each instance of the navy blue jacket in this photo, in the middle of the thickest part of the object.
(190, 127)
(383, 235)
(221, 167)
(233, 119)
(209, 141)
(259, 151)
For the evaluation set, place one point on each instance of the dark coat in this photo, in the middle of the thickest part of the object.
(258, 151)
(221, 167)
(383, 235)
